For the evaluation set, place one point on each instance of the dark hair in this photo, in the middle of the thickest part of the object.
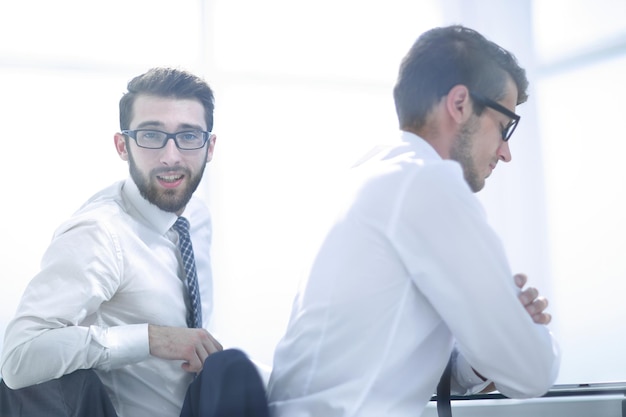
(444, 57)
(167, 82)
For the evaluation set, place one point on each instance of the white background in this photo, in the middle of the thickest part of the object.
(303, 88)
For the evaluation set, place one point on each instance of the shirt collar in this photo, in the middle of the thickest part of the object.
(424, 148)
(160, 220)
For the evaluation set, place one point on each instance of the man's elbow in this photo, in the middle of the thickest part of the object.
(12, 377)
(534, 383)
(11, 380)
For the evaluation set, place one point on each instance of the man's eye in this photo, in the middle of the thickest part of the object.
(189, 136)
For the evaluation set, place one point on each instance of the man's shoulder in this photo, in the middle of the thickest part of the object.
(407, 167)
(105, 206)
(108, 201)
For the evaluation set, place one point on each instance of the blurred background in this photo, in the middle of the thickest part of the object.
(303, 89)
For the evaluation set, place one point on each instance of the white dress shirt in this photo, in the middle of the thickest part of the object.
(109, 271)
(409, 268)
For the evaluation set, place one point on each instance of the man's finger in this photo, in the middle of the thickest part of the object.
(543, 318)
(537, 306)
(528, 296)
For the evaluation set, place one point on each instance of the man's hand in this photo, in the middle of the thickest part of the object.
(535, 305)
(192, 346)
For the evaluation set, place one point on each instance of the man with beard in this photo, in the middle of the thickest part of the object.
(410, 273)
(117, 295)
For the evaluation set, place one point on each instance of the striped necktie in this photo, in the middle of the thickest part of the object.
(194, 315)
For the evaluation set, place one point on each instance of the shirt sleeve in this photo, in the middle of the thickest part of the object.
(56, 328)
(459, 264)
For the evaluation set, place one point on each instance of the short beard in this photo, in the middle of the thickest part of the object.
(462, 153)
(166, 200)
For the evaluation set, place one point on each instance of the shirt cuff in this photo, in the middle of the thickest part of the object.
(468, 382)
(124, 344)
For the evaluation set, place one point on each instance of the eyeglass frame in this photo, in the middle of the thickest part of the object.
(508, 130)
(133, 134)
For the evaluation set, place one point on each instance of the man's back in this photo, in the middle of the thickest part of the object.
(372, 329)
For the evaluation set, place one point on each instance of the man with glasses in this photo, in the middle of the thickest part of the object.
(410, 276)
(124, 295)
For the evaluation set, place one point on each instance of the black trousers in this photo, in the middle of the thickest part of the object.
(228, 386)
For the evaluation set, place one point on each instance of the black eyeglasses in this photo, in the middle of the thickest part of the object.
(507, 130)
(155, 139)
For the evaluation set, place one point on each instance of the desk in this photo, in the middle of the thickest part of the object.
(594, 400)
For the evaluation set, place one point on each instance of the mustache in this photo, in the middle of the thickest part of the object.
(166, 170)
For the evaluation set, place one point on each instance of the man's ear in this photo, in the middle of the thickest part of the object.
(211, 147)
(458, 103)
(120, 146)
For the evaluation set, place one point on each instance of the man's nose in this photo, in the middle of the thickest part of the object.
(170, 154)
(504, 152)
